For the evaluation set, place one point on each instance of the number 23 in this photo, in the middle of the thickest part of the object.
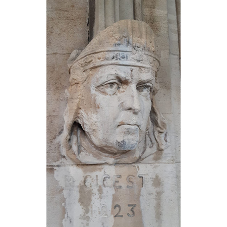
(129, 205)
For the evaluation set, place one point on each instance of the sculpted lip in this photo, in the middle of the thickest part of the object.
(129, 124)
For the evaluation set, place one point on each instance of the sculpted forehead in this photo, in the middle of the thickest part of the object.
(124, 73)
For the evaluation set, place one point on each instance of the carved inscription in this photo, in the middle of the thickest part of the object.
(118, 213)
(116, 182)
(132, 210)
(132, 214)
(130, 180)
(113, 181)
(108, 195)
(122, 184)
(108, 181)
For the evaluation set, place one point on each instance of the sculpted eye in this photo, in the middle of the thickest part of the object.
(109, 88)
(144, 88)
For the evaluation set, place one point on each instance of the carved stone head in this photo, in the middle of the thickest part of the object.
(111, 116)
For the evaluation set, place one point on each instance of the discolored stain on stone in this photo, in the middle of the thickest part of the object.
(157, 155)
(158, 208)
(157, 184)
(55, 199)
(126, 200)
(156, 181)
(90, 168)
(100, 191)
(85, 197)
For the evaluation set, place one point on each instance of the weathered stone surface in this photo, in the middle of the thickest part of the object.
(178, 10)
(55, 201)
(138, 15)
(121, 195)
(126, 10)
(58, 72)
(66, 30)
(66, 25)
(82, 195)
(111, 115)
(178, 171)
(57, 82)
(175, 75)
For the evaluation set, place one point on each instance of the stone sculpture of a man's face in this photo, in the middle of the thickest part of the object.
(115, 107)
(111, 116)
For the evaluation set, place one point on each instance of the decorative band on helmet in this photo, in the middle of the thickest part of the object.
(124, 57)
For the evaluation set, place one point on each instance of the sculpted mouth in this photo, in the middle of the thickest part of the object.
(128, 124)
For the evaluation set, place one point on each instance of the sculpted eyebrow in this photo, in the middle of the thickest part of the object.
(112, 76)
(105, 78)
(145, 81)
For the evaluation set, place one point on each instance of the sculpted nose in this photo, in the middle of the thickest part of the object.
(131, 100)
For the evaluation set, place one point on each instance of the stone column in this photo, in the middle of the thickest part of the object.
(178, 11)
(174, 56)
(126, 10)
(138, 10)
(117, 5)
(109, 12)
(99, 16)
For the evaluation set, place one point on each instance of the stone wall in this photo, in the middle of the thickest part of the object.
(67, 30)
